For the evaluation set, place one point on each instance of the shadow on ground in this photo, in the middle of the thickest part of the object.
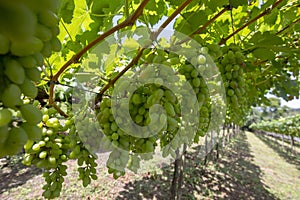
(292, 158)
(13, 174)
(234, 176)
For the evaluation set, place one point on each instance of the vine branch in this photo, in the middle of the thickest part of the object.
(266, 11)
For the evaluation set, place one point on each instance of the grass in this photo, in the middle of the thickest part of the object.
(281, 171)
(250, 167)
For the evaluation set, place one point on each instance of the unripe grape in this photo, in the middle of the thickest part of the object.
(31, 114)
(15, 141)
(11, 96)
(14, 71)
(148, 146)
(5, 117)
(33, 74)
(3, 134)
(201, 60)
(47, 49)
(55, 44)
(5, 44)
(169, 109)
(34, 133)
(43, 154)
(136, 99)
(28, 88)
(26, 47)
(43, 32)
(48, 18)
(28, 61)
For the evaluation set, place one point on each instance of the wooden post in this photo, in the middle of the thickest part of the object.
(181, 175)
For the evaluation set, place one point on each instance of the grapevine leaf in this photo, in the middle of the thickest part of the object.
(66, 10)
(263, 53)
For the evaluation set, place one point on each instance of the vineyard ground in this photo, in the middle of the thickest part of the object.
(250, 167)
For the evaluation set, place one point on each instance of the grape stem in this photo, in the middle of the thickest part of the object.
(265, 12)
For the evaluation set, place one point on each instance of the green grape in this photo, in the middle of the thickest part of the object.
(170, 96)
(230, 92)
(28, 145)
(28, 61)
(5, 44)
(48, 18)
(201, 60)
(47, 49)
(43, 154)
(28, 88)
(36, 147)
(55, 44)
(149, 147)
(11, 96)
(43, 33)
(31, 114)
(5, 117)
(136, 99)
(14, 71)
(26, 47)
(233, 84)
(3, 134)
(34, 133)
(15, 141)
(52, 160)
(33, 74)
(169, 109)
(16, 19)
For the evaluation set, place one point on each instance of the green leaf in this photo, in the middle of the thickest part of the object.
(196, 19)
(263, 54)
(215, 4)
(237, 3)
(271, 18)
(265, 39)
(66, 10)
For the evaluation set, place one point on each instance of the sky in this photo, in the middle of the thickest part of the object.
(292, 104)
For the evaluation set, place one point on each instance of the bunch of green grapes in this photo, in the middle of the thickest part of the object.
(28, 31)
(50, 151)
(193, 72)
(139, 104)
(59, 142)
(88, 130)
(231, 67)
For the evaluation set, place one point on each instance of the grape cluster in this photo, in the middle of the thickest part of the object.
(132, 146)
(88, 129)
(58, 143)
(193, 70)
(50, 151)
(28, 31)
(231, 68)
